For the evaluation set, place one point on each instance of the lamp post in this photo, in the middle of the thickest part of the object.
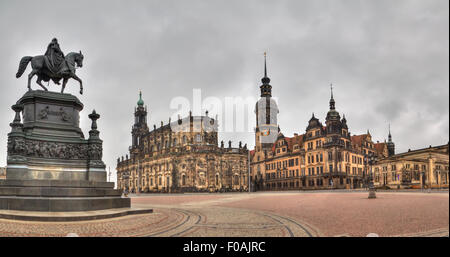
(371, 159)
(365, 174)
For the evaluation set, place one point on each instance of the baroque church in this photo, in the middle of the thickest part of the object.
(181, 156)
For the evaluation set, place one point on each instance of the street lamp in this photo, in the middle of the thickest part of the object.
(371, 159)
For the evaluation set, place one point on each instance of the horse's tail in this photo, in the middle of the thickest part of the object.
(23, 65)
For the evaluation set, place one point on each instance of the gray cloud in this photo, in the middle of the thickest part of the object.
(388, 60)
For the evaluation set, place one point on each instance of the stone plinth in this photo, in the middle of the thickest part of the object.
(49, 144)
(51, 167)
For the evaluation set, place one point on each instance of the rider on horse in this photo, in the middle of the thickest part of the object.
(54, 59)
(53, 65)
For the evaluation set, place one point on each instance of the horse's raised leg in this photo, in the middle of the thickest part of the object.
(79, 80)
(39, 79)
(64, 84)
(30, 76)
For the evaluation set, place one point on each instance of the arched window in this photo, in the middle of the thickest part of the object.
(174, 142)
(217, 179)
(198, 138)
(184, 139)
(183, 180)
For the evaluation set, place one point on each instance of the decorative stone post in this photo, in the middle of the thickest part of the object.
(96, 167)
(16, 139)
(16, 125)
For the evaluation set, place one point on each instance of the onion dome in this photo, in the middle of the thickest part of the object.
(140, 101)
(266, 89)
(332, 114)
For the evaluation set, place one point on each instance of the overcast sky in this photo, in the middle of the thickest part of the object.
(388, 61)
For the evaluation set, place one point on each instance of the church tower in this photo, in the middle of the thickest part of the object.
(266, 111)
(333, 119)
(140, 122)
(390, 144)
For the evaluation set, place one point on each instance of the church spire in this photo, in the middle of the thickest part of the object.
(332, 102)
(390, 136)
(266, 89)
(265, 65)
(390, 144)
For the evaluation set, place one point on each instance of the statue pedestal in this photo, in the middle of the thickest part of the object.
(50, 165)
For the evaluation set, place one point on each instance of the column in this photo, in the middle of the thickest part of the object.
(431, 179)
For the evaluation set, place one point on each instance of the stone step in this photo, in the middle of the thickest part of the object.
(72, 216)
(62, 204)
(55, 183)
(58, 192)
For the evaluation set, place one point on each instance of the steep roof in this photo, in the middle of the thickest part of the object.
(358, 139)
(379, 147)
(291, 141)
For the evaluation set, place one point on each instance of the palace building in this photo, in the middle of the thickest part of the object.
(421, 168)
(181, 156)
(323, 157)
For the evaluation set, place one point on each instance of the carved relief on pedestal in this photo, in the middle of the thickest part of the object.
(95, 152)
(53, 150)
(59, 114)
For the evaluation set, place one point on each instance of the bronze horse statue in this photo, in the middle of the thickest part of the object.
(39, 64)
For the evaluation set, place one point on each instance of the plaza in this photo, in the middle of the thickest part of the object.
(335, 213)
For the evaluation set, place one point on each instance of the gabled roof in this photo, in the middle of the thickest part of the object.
(379, 147)
(358, 139)
(290, 141)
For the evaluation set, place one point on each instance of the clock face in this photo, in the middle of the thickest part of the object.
(265, 132)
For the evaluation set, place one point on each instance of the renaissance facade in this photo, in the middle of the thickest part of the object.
(324, 157)
(181, 156)
(421, 168)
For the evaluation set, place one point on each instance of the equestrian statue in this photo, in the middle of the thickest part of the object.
(53, 65)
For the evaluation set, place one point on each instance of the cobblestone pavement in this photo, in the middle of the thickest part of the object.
(285, 214)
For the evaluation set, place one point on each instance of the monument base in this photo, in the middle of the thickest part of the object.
(51, 167)
(71, 216)
(60, 196)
